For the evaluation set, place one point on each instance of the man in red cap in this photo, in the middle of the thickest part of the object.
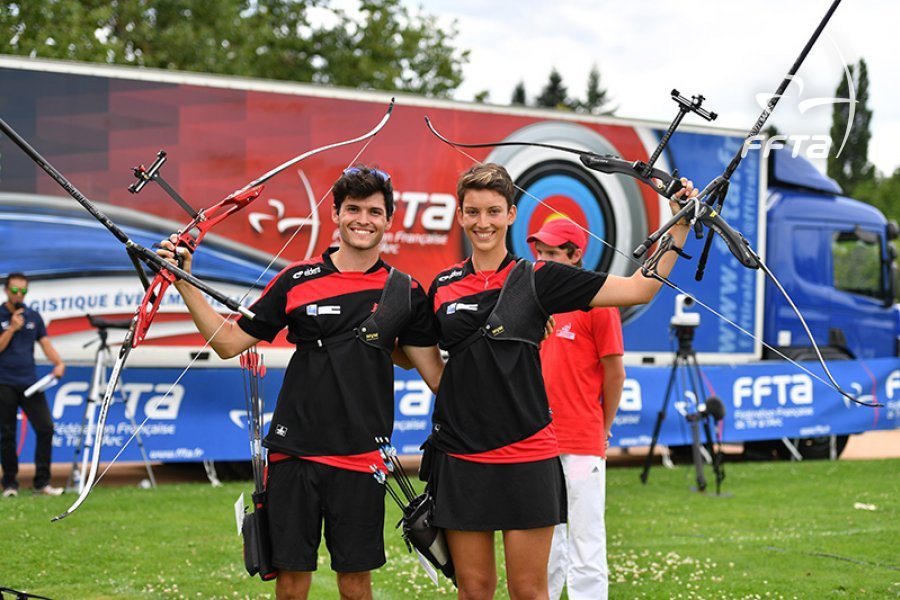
(583, 373)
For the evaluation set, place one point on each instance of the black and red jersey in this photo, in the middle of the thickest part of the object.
(491, 405)
(337, 396)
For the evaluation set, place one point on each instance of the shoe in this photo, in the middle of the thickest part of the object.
(10, 492)
(48, 490)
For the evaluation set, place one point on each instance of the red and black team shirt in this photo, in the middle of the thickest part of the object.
(336, 398)
(491, 405)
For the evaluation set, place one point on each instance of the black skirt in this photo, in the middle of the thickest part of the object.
(471, 496)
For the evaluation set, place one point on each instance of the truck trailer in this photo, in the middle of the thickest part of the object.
(96, 123)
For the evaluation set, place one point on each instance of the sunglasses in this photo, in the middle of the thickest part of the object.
(378, 173)
(19, 290)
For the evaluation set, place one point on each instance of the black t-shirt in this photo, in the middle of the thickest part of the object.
(337, 398)
(492, 392)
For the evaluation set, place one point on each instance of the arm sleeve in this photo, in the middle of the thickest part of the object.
(269, 310)
(420, 331)
(564, 288)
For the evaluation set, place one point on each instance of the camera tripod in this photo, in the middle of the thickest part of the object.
(705, 409)
(99, 380)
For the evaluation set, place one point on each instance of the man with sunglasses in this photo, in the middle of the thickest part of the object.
(345, 310)
(20, 328)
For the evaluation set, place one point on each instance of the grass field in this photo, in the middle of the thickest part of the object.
(785, 530)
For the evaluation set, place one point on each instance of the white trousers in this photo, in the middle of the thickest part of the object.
(578, 552)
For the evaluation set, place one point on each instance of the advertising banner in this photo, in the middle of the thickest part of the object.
(202, 415)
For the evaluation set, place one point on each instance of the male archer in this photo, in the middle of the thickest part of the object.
(345, 311)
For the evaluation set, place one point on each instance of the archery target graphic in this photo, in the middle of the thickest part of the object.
(610, 208)
(564, 187)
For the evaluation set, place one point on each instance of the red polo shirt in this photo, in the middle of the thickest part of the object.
(573, 376)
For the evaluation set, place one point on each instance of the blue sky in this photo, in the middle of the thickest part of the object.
(727, 51)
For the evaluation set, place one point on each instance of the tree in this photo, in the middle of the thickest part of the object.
(184, 34)
(554, 94)
(518, 95)
(881, 192)
(482, 96)
(597, 98)
(381, 44)
(852, 167)
(387, 47)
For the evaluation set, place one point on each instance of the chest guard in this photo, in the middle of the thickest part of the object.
(380, 329)
(518, 315)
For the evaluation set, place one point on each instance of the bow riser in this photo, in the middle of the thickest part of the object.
(190, 238)
(663, 183)
(194, 232)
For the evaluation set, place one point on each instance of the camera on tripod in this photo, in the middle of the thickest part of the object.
(682, 318)
(700, 408)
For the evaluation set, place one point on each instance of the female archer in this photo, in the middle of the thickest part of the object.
(492, 460)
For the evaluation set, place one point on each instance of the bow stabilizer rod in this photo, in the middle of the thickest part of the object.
(770, 106)
(59, 178)
(720, 185)
(135, 250)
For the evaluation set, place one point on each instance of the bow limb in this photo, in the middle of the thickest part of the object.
(663, 183)
(704, 213)
(717, 191)
(143, 315)
(101, 423)
(166, 273)
(741, 250)
(288, 164)
(812, 340)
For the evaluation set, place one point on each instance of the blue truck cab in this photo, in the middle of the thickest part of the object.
(834, 257)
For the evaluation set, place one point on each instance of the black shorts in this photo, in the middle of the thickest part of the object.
(470, 496)
(302, 494)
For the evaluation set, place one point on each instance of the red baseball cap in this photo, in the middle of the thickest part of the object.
(557, 232)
